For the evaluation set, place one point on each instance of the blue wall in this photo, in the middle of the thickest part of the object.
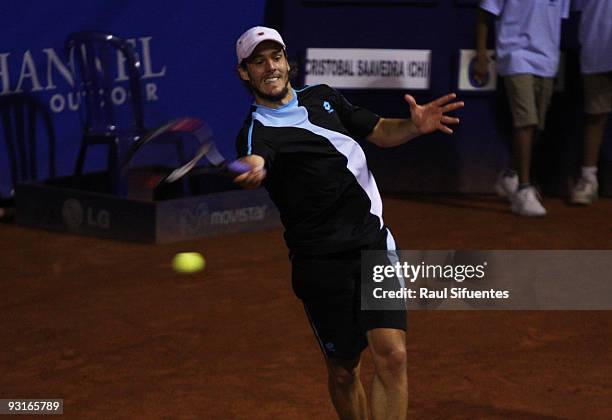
(192, 61)
(469, 160)
(192, 65)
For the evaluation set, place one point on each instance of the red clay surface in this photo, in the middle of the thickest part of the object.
(111, 329)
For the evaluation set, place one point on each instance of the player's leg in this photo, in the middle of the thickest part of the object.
(340, 341)
(386, 336)
(346, 389)
(326, 287)
(389, 397)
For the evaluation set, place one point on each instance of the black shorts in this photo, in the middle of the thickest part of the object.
(330, 289)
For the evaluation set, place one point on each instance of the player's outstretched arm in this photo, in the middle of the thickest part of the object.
(254, 177)
(424, 119)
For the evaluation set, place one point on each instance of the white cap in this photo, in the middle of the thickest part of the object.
(249, 40)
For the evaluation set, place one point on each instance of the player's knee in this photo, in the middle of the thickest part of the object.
(342, 373)
(391, 359)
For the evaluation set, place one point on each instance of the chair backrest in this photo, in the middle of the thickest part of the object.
(21, 116)
(94, 60)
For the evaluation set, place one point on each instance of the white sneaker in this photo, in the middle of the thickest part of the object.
(506, 185)
(585, 192)
(526, 202)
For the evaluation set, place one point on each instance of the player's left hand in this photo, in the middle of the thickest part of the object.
(254, 177)
(431, 117)
(251, 179)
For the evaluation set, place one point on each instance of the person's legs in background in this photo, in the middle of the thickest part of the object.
(597, 109)
(529, 97)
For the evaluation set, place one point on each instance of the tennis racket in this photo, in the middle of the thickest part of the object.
(206, 148)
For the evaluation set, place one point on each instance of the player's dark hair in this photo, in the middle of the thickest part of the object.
(245, 83)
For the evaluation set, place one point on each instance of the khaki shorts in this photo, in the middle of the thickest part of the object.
(529, 98)
(597, 93)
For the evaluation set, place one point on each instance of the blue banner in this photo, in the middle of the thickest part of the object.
(187, 54)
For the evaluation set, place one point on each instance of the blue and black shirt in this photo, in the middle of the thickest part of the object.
(317, 176)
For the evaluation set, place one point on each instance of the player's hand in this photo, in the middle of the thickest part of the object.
(431, 117)
(254, 177)
(480, 70)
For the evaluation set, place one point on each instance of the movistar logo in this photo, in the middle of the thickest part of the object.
(328, 107)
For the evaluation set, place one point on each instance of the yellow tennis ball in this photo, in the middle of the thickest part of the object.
(188, 262)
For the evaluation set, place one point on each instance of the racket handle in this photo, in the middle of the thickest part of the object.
(238, 167)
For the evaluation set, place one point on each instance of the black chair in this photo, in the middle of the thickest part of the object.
(93, 59)
(21, 117)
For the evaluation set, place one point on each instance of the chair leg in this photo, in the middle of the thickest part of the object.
(78, 169)
(111, 166)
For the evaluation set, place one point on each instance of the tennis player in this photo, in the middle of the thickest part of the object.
(302, 146)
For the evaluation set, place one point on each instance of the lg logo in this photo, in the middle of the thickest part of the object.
(75, 215)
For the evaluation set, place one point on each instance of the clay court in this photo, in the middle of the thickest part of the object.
(111, 329)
